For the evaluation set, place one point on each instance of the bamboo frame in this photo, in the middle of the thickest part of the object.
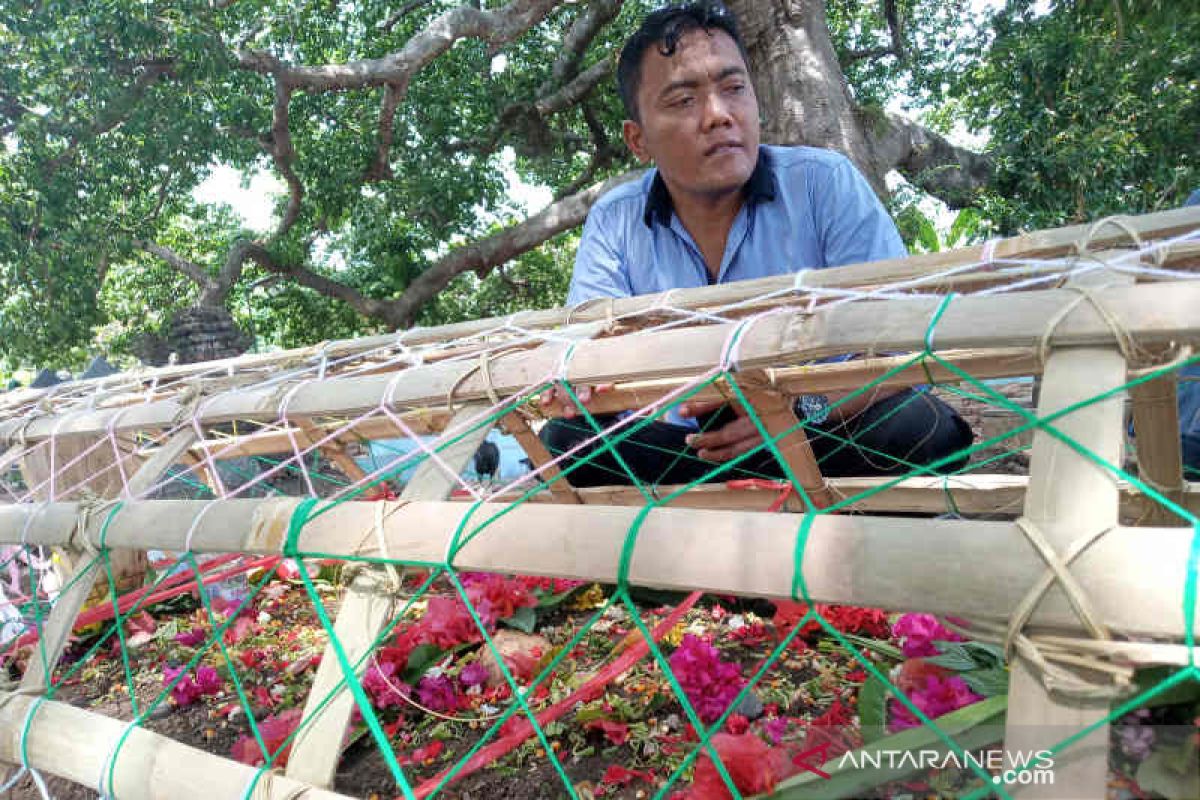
(1041, 244)
(883, 562)
(1068, 498)
(707, 538)
(972, 494)
(76, 745)
(1156, 314)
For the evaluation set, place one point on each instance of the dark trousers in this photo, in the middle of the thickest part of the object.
(890, 437)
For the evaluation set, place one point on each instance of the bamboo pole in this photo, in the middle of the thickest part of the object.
(1152, 313)
(516, 426)
(76, 745)
(366, 609)
(971, 494)
(1069, 497)
(1159, 450)
(778, 417)
(815, 378)
(881, 562)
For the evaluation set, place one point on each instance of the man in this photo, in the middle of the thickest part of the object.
(719, 207)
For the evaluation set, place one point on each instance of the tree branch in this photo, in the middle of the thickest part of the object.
(484, 255)
(577, 89)
(404, 11)
(368, 307)
(189, 269)
(581, 33)
(381, 168)
(285, 155)
(496, 27)
(927, 159)
(895, 30)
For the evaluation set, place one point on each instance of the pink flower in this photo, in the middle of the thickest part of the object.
(188, 690)
(917, 633)
(940, 695)
(473, 674)
(438, 693)
(447, 623)
(775, 728)
(193, 637)
(207, 680)
(381, 684)
(709, 683)
(496, 597)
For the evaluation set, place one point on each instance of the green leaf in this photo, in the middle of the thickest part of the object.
(953, 656)
(872, 709)
(966, 224)
(987, 682)
(525, 619)
(552, 600)
(1171, 772)
(419, 661)
(874, 645)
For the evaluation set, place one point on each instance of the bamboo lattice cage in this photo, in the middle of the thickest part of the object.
(1105, 317)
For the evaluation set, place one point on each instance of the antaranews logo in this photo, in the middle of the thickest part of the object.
(1027, 768)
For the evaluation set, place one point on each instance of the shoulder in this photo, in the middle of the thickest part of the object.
(628, 198)
(802, 159)
(821, 177)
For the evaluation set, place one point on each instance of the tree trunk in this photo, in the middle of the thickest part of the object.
(802, 93)
(804, 99)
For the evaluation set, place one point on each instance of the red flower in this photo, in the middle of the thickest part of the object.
(868, 622)
(753, 766)
(275, 730)
(620, 776)
(615, 732)
(737, 724)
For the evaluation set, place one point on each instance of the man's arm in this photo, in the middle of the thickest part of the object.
(853, 225)
(599, 266)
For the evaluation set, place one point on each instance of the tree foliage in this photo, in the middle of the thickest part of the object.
(1092, 109)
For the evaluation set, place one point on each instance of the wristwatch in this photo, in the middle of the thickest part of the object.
(814, 408)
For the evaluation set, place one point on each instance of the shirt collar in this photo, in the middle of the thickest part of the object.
(759, 188)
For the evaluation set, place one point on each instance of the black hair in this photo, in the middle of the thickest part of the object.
(664, 28)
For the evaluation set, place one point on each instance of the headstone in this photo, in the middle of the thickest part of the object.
(99, 368)
(45, 379)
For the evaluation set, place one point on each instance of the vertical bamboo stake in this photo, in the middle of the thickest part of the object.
(516, 426)
(778, 415)
(71, 601)
(1069, 496)
(366, 609)
(1159, 451)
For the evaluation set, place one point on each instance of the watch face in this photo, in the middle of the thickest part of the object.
(815, 408)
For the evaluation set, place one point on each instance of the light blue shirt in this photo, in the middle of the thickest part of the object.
(806, 208)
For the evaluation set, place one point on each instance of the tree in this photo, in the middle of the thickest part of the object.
(1093, 109)
(387, 124)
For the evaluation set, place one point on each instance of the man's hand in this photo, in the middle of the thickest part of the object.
(725, 443)
(557, 401)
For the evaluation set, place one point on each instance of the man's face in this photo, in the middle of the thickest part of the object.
(699, 116)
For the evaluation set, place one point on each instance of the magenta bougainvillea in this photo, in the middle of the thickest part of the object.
(710, 683)
(191, 688)
(940, 694)
(918, 632)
